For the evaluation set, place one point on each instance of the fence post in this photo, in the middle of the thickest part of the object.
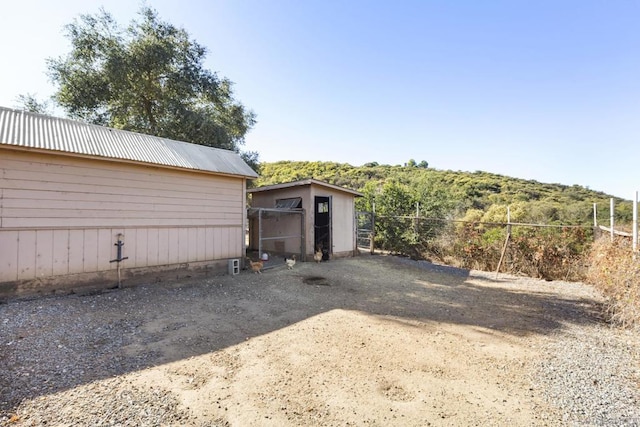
(416, 223)
(506, 241)
(611, 212)
(595, 221)
(635, 226)
(372, 248)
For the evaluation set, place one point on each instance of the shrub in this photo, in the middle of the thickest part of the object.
(613, 271)
(549, 253)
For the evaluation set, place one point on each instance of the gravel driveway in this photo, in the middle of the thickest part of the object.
(372, 340)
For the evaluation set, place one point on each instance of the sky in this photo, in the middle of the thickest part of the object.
(546, 90)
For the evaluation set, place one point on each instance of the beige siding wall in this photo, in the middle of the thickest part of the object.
(61, 215)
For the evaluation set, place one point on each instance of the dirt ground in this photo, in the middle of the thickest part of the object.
(372, 340)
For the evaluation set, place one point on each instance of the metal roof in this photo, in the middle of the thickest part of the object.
(37, 131)
(304, 182)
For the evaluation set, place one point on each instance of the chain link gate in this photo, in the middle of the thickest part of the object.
(365, 230)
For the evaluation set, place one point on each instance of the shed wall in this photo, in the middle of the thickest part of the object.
(342, 216)
(342, 221)
(60, 215)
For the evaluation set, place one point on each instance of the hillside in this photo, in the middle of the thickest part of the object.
(453, 194)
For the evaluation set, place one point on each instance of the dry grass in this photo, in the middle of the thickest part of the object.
(545, 253)
(613, 270)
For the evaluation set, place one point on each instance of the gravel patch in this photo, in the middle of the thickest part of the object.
(592, 374)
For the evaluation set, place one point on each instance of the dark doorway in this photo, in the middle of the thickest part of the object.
(322, 226)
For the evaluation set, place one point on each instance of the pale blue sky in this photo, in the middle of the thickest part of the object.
(546, 89)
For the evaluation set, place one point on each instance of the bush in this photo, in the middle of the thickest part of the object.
(613, 271)
(556, 253)
(549, 253)
(476, 246)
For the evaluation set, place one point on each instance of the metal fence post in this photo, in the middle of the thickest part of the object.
(635, 226)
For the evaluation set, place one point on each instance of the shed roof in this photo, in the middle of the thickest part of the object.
(36, 131)
(302, 183)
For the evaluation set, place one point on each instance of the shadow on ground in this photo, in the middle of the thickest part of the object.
(51, 344)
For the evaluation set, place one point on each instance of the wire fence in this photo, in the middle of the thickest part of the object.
(536, 250)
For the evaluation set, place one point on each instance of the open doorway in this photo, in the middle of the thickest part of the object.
(322, 226)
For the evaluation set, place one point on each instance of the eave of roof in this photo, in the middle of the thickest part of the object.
(21, 129)
(302, 183)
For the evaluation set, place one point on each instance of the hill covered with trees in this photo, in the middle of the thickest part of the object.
(474, 196)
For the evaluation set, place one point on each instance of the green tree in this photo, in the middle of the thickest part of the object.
(30, 103)
(147, 78)
(394, 232)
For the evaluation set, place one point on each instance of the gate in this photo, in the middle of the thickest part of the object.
(365, 230)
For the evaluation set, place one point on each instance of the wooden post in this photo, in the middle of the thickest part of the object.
(506, 241)
(611, 219)
(595, 222)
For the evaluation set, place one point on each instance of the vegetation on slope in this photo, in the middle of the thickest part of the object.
(453, 194)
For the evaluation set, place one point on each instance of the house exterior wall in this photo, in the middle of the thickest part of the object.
(342, 217)
(60, 217)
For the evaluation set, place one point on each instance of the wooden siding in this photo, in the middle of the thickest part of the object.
(39, 192)
(61, 215)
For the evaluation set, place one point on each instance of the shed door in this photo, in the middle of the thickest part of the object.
(322, 226)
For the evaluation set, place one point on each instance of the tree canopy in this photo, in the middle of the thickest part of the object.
(30, 103)
(147, 78)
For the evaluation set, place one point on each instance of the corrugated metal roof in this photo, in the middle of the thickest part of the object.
(301, 183)
(37, 131)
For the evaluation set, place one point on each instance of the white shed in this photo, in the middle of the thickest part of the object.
(329, 217)
(69, 191)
